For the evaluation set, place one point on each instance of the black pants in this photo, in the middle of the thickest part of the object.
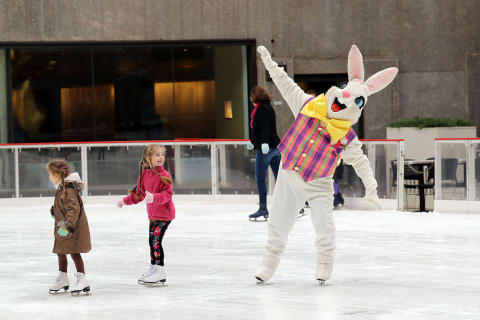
(157, 231)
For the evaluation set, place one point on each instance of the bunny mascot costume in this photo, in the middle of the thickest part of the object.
(311, 150)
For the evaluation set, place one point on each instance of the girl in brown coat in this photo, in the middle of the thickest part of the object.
(72, 235)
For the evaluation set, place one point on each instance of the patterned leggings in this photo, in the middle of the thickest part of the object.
(157, 231)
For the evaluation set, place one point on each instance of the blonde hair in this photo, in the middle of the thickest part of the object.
(146, 163)
(60, 168)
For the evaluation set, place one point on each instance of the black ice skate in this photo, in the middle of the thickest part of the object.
(321, 282)
(262, 212)
(302, 211)
(338, 201)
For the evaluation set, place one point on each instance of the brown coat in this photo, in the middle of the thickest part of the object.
(71, 211)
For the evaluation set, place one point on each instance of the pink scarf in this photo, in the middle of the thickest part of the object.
(252, 115)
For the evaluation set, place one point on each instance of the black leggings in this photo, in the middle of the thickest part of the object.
(156, 232)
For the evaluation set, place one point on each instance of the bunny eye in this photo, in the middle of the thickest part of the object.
(360, 101)
(343, 85)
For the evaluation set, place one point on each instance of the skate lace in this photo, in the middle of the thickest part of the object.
(79, 278)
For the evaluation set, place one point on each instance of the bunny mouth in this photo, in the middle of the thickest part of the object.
(337, 106)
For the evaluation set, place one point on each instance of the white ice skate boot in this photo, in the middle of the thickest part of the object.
(158, 276)
(82, 285)
(61, 282)
(323, 273)
(144, 275)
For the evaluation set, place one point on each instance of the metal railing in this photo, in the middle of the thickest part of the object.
(198, 166)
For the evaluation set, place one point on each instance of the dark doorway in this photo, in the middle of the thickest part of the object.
(320, 83)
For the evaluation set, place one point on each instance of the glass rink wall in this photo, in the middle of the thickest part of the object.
(457, 166)
(210, 166)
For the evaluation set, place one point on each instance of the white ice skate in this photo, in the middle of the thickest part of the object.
(61, 283)
(158, 276)
(82, 285)
(144, 275)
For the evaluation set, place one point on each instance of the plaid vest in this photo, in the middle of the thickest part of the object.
(306, 148)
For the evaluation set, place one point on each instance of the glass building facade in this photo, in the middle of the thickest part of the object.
(123, 92)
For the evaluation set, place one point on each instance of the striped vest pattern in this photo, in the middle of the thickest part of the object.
(306, 148)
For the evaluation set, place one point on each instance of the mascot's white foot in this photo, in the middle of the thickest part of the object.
(264, 274)
(267, 268)
(324, 271)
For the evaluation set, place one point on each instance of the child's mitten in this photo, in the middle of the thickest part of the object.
(148, 197)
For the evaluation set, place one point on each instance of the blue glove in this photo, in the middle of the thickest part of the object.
(250, 146)
(265, 148)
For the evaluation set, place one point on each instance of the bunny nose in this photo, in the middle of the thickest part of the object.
(346, 94)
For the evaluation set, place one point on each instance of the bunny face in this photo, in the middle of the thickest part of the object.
(347, 101)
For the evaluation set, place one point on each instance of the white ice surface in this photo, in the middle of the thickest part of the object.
(389, 265)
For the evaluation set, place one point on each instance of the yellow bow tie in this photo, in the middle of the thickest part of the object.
(317, 108)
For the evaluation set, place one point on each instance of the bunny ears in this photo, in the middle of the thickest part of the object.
(376, 82)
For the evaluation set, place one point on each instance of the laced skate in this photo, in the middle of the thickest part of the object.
(157, 277)
(262, 212)
(82, 285)
(61, 283)
(141, 279)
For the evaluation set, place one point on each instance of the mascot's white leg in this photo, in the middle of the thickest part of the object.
(320, 198)
(287, 201)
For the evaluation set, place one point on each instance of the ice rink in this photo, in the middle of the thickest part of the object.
(389, 265)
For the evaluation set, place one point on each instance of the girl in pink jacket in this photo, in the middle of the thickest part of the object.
(154, 185)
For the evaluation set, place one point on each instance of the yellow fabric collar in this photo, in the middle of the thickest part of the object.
(317, 108)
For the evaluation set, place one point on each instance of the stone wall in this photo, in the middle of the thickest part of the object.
(435, 43)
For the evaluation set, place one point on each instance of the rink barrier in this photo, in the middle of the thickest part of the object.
(216, 165)
(469, 159)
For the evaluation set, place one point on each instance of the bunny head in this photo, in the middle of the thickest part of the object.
(347, 101)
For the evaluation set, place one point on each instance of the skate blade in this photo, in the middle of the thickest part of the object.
(259, 281)
(59, 291)
(321, 282)
(256, 219)
(160, 283)
(78, 292)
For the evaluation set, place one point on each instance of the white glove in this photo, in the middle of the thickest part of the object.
(250, 146)
(266, 58)
(371, 196)
(265, 148)
(148, 197)
(120, 203)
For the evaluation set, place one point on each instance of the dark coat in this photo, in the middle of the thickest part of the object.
(264, 127)
(70, 210)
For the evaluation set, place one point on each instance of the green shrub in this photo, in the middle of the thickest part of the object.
(431, 122)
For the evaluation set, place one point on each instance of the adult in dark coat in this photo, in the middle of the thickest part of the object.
(264, 139)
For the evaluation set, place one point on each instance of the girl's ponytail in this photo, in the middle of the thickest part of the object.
(137, 189)
(61, 168)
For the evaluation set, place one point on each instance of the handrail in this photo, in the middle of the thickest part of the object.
(217, 148)
(447, 139)
(137, 142)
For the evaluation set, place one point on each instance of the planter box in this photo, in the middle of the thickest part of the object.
(420, 143)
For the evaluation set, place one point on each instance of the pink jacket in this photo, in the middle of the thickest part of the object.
(162, 207)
